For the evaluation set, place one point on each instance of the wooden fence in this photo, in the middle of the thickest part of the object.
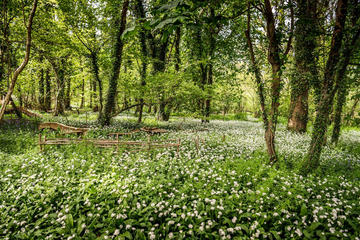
(133, 146)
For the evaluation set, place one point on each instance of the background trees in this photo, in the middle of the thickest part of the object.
(294, 60)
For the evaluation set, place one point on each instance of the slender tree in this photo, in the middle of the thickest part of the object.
(327, 91)
(24, 63)
(118, 52)
(275, 56)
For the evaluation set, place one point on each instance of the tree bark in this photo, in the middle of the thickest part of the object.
(352, 112)
(41, 99)
(82, 86)
(95, 70)
(327, 92)
(177, 49)
(48, 91)
(67, 94)
(59, 76)
(305, 63)
(110, 101)
(140, 14)
(23, 64)
(342, 85)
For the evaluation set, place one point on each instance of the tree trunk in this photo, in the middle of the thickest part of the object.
(352, 112)
(341, 99)
(59, 76)
(82, 89)
(95, 70)
(341, 79)
(68, 93)
(327, 93)
(110, 101)
(305, 63)
(48, 91)
(23, 64)
(41, 99)
(17, 112)
(91, 90)
(140, 15)
(177, 49)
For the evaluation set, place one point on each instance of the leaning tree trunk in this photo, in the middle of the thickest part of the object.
(327, 93)
(341, 81)
(110, 101)
(305, 64)
(340, 102)
(23, 64)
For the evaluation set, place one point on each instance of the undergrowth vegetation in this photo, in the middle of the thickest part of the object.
(224, 190)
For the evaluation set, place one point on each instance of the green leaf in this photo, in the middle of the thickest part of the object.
(128, 235)
(314, 226)
(193, 27)
(305, 232)
(245, 228)
(303, 210)
(70, 221)
(163, 23)
(130, 31)
(274, 233)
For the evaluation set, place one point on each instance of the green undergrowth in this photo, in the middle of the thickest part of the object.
(224, 190)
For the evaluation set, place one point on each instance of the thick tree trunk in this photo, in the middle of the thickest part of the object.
(23, 64)
(305, 63)
(110, 101)
(327, 92)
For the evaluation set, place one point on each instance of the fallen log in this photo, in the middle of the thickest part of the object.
(62, 127)
(25, 111)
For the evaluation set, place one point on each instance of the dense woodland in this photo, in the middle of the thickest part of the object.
(297, 60)
(255, 105)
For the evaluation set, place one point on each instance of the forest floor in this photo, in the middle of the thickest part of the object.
(224, 190)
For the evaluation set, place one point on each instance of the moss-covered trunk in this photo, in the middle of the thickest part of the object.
(305, 72)
(118, 52)
(327, 92)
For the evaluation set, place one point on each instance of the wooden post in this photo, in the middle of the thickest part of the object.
(39, 142)
(86, 118)
(197, 143)
(177, 152)
(117, 146)
(224, 138)
(44, 142)
(149, 144)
